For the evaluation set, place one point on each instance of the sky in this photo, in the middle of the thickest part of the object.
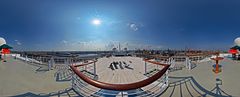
(135, 24)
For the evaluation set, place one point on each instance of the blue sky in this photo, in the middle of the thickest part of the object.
(66, 25)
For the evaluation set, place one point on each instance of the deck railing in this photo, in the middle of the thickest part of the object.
(154, 84)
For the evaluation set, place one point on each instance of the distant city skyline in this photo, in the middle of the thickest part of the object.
(84, 25)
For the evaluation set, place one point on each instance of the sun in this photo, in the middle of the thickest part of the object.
(96, 22)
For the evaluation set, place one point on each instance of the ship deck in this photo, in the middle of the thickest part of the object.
(19, 78)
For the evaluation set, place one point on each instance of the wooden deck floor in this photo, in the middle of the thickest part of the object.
(121, 75)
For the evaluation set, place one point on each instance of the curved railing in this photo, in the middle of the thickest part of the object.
(121, 87)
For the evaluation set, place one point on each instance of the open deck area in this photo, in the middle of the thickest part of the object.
(202, 81)
(128, 70)
(19, 78)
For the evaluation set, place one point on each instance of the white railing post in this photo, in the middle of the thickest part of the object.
(73, 80)
(51, 62)
(94, 70)
(49, 65)
(26, 58)
(66, 61)
(145, 67)
(188, 63)
(166, 78)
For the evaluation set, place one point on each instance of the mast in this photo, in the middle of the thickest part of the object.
(119, 47)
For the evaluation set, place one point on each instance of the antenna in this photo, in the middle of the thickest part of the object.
(119, 47)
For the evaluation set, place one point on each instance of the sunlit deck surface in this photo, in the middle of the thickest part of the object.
(24, 79)
(201, 80)
(134, 73)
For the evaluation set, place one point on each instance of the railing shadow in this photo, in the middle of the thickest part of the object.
(63, 75)
(180, 81)
(193, 65)
(68, 92)
(40, 67)
(28, 94)
(176, 68)
(217, 88)
(111, 93)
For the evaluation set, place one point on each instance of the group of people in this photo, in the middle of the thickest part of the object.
(119, 64)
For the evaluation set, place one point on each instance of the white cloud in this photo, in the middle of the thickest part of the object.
(135, 26)
(18, 42)
(64, 42)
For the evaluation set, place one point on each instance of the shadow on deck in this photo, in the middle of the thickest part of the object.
(41, 68)
(63, 74)
(68, 92)
(191, 85)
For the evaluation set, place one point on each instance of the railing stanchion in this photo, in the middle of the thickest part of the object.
(73, 80)
(166, 75)
(145, 67)
(94, 69)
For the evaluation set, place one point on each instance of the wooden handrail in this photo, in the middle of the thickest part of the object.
(122, 87)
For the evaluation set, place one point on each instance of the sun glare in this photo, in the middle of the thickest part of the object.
(96, 22)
